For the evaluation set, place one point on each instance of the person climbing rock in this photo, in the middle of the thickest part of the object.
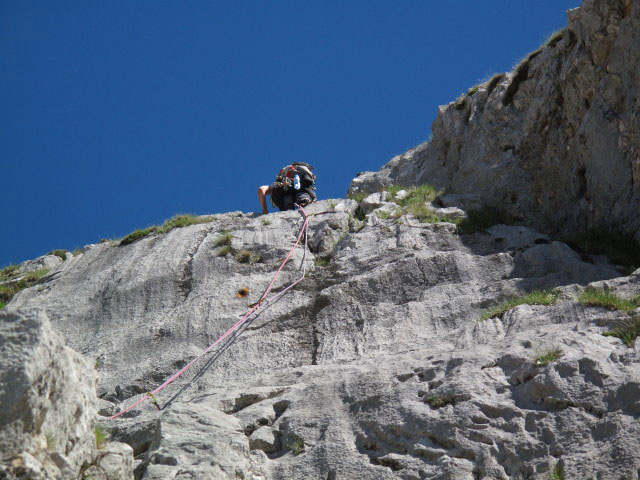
(294, 185)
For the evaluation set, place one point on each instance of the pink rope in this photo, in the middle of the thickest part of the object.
(259, 305)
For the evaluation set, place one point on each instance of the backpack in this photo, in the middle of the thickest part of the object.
(284, 182)
(302, 169)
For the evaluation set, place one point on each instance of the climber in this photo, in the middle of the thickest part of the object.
(294, 185)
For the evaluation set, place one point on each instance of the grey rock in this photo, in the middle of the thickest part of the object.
(47, 405)
(46, 393)
(464, 201)
(265, 439)
(377, 364)
(374, 367)
(374, 201)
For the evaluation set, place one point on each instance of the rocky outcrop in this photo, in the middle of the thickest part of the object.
(376, 366)
(382, 363)
(555, 142)
(47, 405)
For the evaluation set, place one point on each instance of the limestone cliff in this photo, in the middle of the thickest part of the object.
(378, 365)
(396, 357)
(555, 142)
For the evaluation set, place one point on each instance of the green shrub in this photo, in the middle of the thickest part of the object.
(547, 357)
(358, 197)
(9, 272)
(437, 402)
(627, 331)
(265, 221)
(383, 214)
(224, 251)
(296, 445)
(472, 91)
(137, 235)
(62, 254)
(8, 290)
(35, 275)
(2, 305)
(332, 205)
(177, 221)
(556, 474)
(393, 190)
(479, 220)
(415, 203)
(322, 261)
(599, 297)
(419, 195)
(537, 297)
(101, 435)
(183, 220)
(224, 238)
(77, 251)
(243, 256)
(621, 248)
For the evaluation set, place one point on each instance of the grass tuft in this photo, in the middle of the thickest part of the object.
(296, 446)
(472, 91)
(265, 221)
(9, 272)
(556, 474)
(537, 297)
(223, 251)
(61, 254)
(332, 205)
(627, 331)
(101, 435)
(246, 256)
(322, 261)
(183, 220)
(224, 239)
(137, 235)
(2, 305)
(438, 402)
(177, 221)
(547, 357)
(8, 290)
(358, 197)
(599, 297)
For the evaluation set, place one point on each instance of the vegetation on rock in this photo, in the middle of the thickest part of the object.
(600, 297)
(15, 283)
(537, 297)
(627, 331)
(176, 221)
(547, 357)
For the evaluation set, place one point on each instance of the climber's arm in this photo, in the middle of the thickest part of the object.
(262, 191)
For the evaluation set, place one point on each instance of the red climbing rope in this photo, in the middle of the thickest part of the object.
(262, 303)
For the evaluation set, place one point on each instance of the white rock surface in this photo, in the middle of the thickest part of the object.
(339, 379)
(47, 403)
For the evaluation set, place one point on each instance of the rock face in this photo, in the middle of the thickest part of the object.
(47, 403)
(376, 366)
(379, 364)
(557, 140)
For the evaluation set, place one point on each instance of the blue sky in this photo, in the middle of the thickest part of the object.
(117, 115)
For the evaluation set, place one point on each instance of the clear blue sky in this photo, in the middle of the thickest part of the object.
(115, 115)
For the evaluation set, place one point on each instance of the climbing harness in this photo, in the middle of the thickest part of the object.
(255, 309)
